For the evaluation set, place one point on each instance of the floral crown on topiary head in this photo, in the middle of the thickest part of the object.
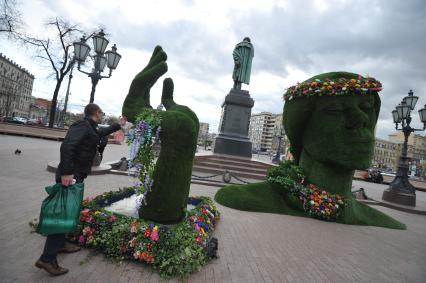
(333, 86)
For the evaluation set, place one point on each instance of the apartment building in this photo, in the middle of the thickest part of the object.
(203, 133)
(386, 154)
(16, 85)
(264, 129)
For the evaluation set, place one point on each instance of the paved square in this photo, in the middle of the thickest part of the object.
(253, 247)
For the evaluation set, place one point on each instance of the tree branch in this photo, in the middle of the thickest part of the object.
(10, 17)
(46, 49)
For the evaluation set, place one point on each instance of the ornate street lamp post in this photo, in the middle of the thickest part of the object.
(279, 134)
(400, 190)
(110, 58)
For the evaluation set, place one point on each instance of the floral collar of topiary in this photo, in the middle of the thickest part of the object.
(333, 87)
(316, 202)
(141, 140)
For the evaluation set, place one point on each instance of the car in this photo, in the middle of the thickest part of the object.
(390, 174)
(374, 175)
(12, 120)
(33, 122)
(20, 119)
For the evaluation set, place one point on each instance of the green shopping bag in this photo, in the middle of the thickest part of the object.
(61, 209)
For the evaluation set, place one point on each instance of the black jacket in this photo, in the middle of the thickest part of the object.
(79, 147)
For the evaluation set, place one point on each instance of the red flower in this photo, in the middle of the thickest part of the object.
(149, 247)
(123, 248)
(112, 218)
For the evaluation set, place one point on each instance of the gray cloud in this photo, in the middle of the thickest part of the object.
(385, 39)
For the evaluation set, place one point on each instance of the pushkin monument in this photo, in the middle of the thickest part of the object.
(236, 109)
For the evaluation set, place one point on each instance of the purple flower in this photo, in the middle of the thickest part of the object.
(81, 239)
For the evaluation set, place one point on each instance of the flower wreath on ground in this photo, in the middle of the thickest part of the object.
(316, 203)
(176, 250)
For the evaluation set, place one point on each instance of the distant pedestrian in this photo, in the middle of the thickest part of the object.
(77, 153)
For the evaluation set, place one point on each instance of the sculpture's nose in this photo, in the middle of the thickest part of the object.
(356, 118)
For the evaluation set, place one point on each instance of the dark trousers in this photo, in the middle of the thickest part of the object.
(55, 242)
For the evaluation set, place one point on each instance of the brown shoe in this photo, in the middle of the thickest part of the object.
(51, 267)
(69, 248)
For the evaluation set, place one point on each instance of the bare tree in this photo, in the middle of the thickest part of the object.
(56, 52)
(10, 17)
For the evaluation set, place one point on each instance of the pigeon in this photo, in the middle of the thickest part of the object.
(18, 151)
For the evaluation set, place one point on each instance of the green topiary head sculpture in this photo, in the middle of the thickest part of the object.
(332, 125)
(330, 121)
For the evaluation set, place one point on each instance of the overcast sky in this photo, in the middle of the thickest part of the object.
(293, 40)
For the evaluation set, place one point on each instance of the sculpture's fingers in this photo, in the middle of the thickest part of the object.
(167, 96)
(152, 75)
(157, 49)
(156, 58)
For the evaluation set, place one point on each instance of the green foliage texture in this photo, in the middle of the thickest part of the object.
(179, 130)
(330, 136)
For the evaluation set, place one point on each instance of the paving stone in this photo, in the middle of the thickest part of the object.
(253, 247)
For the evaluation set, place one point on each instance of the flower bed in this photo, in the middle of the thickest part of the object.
(178, 250)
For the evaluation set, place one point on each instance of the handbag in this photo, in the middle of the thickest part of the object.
(60, 210)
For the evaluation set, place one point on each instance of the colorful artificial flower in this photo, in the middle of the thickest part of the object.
(154, 234)
(140, 241)
(328, 87)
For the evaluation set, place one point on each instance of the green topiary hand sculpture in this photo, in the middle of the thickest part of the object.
(179, 129)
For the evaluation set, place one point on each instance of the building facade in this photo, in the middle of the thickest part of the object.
(416, 151)
(386, 154)
(265, 127)
(203, 133)
(39, 109)
(16, 85)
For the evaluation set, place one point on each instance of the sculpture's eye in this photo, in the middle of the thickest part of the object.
(333, 109)
(366, 106)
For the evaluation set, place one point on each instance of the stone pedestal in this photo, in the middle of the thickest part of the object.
(234, 125)
(399, 197)
(400, 190)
